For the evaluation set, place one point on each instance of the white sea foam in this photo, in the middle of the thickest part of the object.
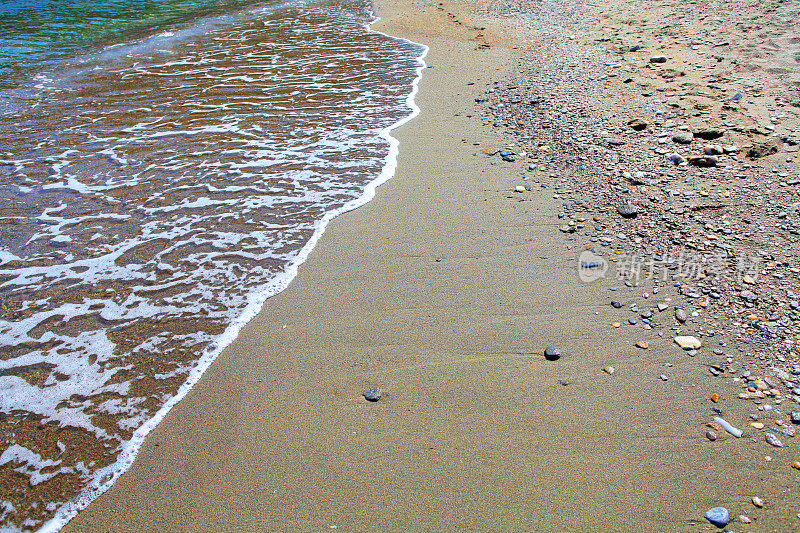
(130, 241)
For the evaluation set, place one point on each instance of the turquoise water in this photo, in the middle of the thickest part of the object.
(34, 32)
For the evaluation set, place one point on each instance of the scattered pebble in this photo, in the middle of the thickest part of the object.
(688, 342)
(373, 395)
(773, 440)
(728, 427)
(718, 516)
(551, 353)
(758, 502)
(628, 211)
(609, 369)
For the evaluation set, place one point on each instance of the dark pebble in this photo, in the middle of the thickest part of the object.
(551, 353)
(628, 211)
(796, 417)
(615, 304)
(373, 395)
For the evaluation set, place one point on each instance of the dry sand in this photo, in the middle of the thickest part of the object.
(443, 292)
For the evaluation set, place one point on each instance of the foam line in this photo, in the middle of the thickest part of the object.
(105, 478)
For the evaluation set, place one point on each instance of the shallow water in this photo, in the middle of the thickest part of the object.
(154, 191)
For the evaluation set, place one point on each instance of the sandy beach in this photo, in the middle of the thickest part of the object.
(444, 292)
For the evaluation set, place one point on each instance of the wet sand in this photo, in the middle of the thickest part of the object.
(444, 292)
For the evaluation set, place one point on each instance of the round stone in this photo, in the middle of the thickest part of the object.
(373, 395)
(718, 516)
(615, 304)
(688, 342)
(628, 211)
(551, 353)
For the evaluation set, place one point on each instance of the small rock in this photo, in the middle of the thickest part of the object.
(683, 137)
(758, 502)
(711, 435)
(609, 370)
(373, 395)
(796, 465)
(662, 307)
(628, 211)
(642, 344)
(773, 440)
(718, 516)
(750, 296)
(519, 188)
(551, 353)
(637, 124)
(678, 159)
(713, 149)
(795, 417)
(688, 342)
(664, 377)
(680, 315)
(615, 304)
(703, 161)
(658, 59)
(744, 520)
(709, 134)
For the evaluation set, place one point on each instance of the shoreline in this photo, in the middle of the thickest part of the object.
(106, 477)
(443, 291)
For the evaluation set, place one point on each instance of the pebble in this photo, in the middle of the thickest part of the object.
(683, 137)
(728, 427)
(680, 315)
(715, 397)
(703, 161)
(773, 440)
(609, 370)
(718, 516)
(711, 435)
(628, 211)
(642, 344)
(637, 124)
(658, 59)
(796, 465)
(615, 304)
(758, 502)
(688, 342)
(373, 395)
(744, 520)
(795, 417)
(757, 425)
(551, 353)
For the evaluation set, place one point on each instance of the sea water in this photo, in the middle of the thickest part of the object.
(165, 166)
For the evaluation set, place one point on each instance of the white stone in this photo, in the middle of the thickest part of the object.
(688, 342)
